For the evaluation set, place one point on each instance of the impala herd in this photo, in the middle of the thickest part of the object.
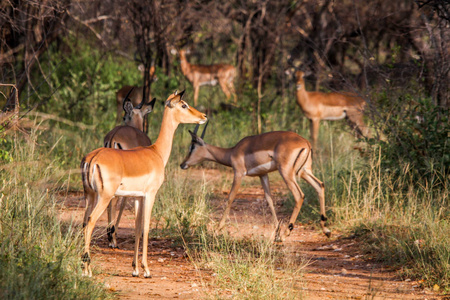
(129, 165)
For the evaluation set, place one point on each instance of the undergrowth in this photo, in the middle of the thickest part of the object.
(39, 255)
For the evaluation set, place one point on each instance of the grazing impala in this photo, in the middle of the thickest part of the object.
(200, 75)
(259, 155)
(138, 172)
(135, 96)
(126, 137)
(319, 106)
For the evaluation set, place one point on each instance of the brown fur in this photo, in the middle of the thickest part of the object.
(319, 106)
(199, 75)
(259, 155)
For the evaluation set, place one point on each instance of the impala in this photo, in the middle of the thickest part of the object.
(199, 75)
(126, 137)
(319, 106)
(259, 155)
(135, 96)
(138, 172)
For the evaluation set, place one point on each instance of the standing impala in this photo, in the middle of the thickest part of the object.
(126, 137)
(200, 75)
(319, 106)
(259, 155)
(135, 93)
(138, 172)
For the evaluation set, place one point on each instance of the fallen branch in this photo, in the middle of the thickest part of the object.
(45, 116)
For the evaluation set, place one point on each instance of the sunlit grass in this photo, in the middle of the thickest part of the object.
(39, 255)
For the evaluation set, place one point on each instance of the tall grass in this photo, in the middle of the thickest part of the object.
(248, 268)
(39, 255)
(402, 221)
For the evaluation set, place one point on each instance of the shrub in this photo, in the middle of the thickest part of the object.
(416, 136)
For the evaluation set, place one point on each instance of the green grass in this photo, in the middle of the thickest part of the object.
(247, 268)
(39, 254)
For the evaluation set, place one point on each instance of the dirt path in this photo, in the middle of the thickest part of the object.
(336, 267)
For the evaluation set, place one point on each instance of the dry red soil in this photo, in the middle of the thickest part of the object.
(336, 269)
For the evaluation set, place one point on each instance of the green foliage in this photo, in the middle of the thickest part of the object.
(5, 149)
(417, 136)
(87, 81)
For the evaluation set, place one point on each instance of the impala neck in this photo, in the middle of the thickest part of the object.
(137, 123)
(302, 94)
(185, 66)
(219, 155)
(163, 144)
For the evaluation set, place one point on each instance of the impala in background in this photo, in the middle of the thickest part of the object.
(199, 75)
(126, 137)
(319, 106)
(259, 155)
(135, 96)
(138, 172)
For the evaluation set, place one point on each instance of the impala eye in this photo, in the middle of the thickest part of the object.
(184, 106)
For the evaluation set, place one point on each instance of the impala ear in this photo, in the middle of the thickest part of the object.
(126, 97)
(128, 107)
(148, 108)
(196, 139)
(152, 103)
(168, 102)
(181, 94)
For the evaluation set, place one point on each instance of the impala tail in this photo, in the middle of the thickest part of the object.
(91, 173)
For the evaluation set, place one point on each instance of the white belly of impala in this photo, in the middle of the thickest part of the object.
(211, 82)
(122, 193)
(262, 169)
(334, 118)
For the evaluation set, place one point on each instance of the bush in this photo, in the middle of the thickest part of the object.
(416, 136)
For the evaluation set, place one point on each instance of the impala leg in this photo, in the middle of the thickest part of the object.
(314, 129)
(148, 206)
(224, 87)
(102, 204)
(289, 178)
(233, 91)
(111, 229)
(122, 207)
(234, 189)
(266, 186)
(356, 122)
(89, 198)
(196, 90)
(139, 205)
(320, 189)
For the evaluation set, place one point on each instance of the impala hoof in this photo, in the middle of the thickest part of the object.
(112, 246)
(287, 232)
(135, 273)
(87, 273)
(327, 232)
(147, 275)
